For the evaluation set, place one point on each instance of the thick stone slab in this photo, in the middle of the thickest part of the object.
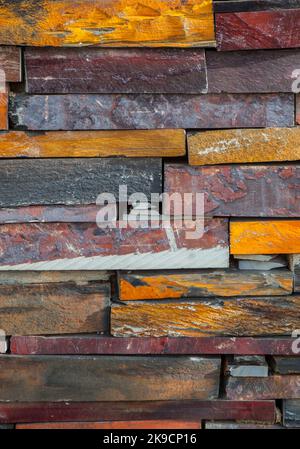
(211, 317)
(81, 246)
(62, 308)
(150, 346)
(286, 365)
(258, 29)
(244, 146)
(10, 63)
(252, 71)
(115, 23)
(137, 143)
(101, 70)
(109, 379)
(96, 112)
(75, 181)
(265, 237)
(206, 283)
(272, 387)
(239, 190)
(90, 411)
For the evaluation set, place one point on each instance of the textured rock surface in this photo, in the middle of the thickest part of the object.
(258, 30)
(101, 70)
(60, 345)
(83, 411)
(108, 378)
(61, 308)
(139, 286)
(265, 237)
(137, 143)
(75, 181)
(244, 145)
(10, 63)
(279, 387)
(211, 317)
(81, 246)
(298, 107)
(113, 23)
(286, 365)
(252, 71)
(239, 190)
(83, 112)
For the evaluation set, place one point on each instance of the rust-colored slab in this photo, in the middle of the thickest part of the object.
(81, 246)
(118, 70)
(116, 23)
(270, 190)
(10, 64)
(150, 346)
(272, 387)
(265, 237)
(263, 316)
(135, 143)
(112, 379)
(244, 146)
(206, 283)
(163, 424)
(258, 29)
(62, 308)
(193, 410)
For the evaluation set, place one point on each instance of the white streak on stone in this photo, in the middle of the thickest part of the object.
(217, 257)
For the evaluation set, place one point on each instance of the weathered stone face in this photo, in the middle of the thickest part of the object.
(244, 146)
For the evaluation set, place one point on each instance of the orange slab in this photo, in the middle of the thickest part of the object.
(265, 237)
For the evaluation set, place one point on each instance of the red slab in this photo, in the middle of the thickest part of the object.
(258, 30)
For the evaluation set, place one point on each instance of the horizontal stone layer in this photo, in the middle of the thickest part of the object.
(121, 112)
(258, 29)
(81, 246)
(75, 181)
(238, 190)
(206, 283)
(101, 70)
(244, 146)
(23, 412)
(265, 237)
(10, 64)
(261, 316)
(252, 71)
(272, 387)
(54, 308)
(150, 346)
(136, 143)
(112, 379)
(287, 365)
(143, 424)
(115, 23)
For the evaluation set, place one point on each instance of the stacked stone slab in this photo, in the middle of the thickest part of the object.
(186, 326)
